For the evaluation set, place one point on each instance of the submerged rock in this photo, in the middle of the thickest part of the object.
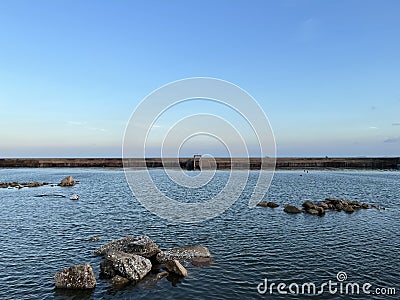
(131, 266)
(290, 209)
(183, 253)
(119, 281)
(94, 239)
(175, 267)
(141, 245)
(76, 277)
(67, 181)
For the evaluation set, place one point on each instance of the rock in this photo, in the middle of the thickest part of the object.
(365, 206)
(141, 245)
(67, 181)
(324, 205)
(321, 211)
(262, 204)
(162, 275)
(95, 239)
(339, 206)
(268, 204)
(74, 197)
(290, 209)
(348, 209)
(308, 205)
(312, 211)
(119, 281)
(76, 277)
(189, 253)
(131, 266)
(175, 267)
(34, 184)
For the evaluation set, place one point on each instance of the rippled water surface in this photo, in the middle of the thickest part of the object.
(41, 236)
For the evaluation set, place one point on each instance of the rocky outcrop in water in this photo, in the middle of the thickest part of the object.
(290, 209)
(268, 204)
(142, 246)
(131, 266)
(185, 253)
(330, 204)
(76, 277)
(67, 181)
(18, 185)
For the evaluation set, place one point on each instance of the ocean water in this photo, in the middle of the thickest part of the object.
(41, 236)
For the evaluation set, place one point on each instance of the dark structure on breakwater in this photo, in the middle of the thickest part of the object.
(221, 163)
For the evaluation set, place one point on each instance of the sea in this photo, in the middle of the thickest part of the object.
(257, 252)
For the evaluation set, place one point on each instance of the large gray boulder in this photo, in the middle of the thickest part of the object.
(141, 245)
(188, 253)
(131, 266)
(76, 277)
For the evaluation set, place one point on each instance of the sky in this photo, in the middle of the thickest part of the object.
(326, 73)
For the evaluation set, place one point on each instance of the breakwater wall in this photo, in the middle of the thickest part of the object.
(221, 163)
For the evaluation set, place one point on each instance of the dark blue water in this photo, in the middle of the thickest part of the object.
(41, 236)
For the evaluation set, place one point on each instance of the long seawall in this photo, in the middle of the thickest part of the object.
(222, 163)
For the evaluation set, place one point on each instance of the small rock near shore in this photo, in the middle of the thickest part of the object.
(76, 277)
(161, 275)
(174, 266)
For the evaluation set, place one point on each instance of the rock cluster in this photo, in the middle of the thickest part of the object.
(130, 259)
(330, 204)
(67, 181)
(18, 185)
(268, 204)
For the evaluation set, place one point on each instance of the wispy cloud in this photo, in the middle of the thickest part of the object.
(373, 127)
(392, 140)
(396, 124)
(76, 123)
(85, 126)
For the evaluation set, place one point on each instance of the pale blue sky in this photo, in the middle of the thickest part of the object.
(327, 73)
